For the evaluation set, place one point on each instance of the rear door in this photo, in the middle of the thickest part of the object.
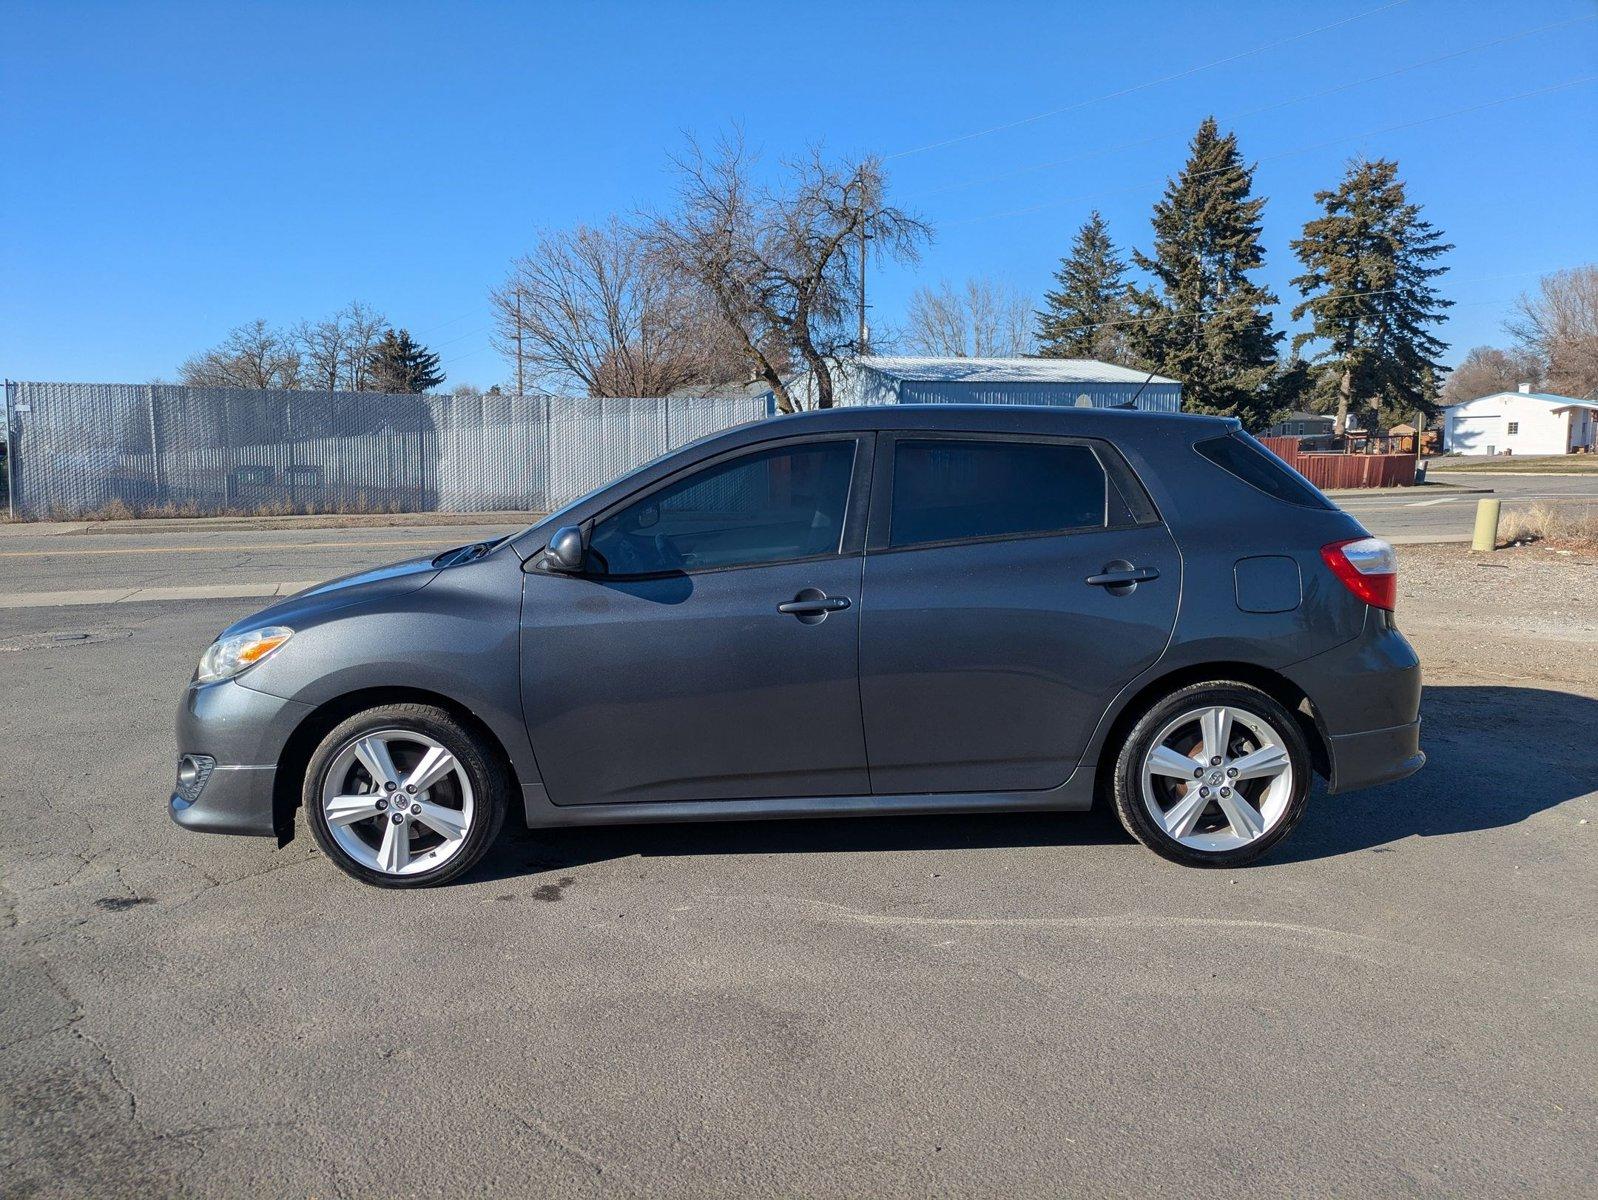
(1013, 585)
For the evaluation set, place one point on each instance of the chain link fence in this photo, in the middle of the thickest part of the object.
(87, 449)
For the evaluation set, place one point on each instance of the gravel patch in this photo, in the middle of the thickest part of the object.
(1524, 613)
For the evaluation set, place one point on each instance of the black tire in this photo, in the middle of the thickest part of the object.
(489, 787)
(1126, 790)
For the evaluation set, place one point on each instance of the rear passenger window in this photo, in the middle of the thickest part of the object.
(1240, 455)
(947, 490)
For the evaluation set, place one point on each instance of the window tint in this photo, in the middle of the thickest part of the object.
(766, 507)
(947, 490)
(1240, 455)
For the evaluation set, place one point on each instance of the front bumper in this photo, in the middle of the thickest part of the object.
(233, 800)
(242, 733)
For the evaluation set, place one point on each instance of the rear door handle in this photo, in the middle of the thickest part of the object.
(1121, 577)
(812, 605)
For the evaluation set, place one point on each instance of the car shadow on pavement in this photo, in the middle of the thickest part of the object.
(523, 852)
(1495, 756)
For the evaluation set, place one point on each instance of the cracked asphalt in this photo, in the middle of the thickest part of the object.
(1400, 1001)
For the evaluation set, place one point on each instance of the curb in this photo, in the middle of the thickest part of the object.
(1423, 489)
(89, 596)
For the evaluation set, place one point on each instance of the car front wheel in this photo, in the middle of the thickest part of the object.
(404, 796)
(1213, 775)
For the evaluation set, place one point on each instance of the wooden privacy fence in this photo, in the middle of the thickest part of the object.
(1345, 470)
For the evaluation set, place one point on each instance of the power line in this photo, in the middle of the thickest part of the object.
(1253, 112)
(431, 329)
(1115, 95)
(1289, 152)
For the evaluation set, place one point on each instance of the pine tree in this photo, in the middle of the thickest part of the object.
(1204, 321)
(1368, 294)
(1086, 316)
(398, 364)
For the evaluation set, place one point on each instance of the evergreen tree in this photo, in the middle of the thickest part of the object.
(1204, 321)
(1368, 294)
(1086, 316)
(398, 364)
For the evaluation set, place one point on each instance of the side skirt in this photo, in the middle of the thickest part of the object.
(1074, 795)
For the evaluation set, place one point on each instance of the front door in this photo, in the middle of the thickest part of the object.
(1003, 611)
(710, 650)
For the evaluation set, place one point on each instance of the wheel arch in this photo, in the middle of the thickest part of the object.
(1279, 687)
(289, 778)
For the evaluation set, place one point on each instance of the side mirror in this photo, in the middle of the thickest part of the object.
(565, 551)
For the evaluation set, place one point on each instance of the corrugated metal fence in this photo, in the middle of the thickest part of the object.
(1345, 470)
(85, 448)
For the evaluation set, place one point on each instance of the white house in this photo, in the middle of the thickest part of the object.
(1523, 422)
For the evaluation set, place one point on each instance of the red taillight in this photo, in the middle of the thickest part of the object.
(1368, 568)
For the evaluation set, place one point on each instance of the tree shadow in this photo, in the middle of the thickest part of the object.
(1495, 756)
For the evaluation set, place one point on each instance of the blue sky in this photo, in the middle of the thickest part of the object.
(169, 171)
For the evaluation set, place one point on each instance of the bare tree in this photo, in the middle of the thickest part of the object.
(1559, 324)
(595, 308)
(363, 328)
(336, 350)
(252, 356)
(1488, 369)
(983, 319)
(321, 346)
(781, 262)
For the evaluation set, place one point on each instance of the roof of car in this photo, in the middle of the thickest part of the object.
(1102, 422)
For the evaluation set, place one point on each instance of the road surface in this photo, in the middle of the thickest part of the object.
(1437, 513)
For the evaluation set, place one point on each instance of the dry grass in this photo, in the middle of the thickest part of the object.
(1561, 526)
(120, 510)
(1516, 464)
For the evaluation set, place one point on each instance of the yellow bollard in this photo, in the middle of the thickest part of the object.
(1486, 535)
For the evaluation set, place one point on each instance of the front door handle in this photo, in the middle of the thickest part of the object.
(1120, 577)
(812, 605)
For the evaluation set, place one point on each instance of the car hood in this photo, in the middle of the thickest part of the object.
(378, 583)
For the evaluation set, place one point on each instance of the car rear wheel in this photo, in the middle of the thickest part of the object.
(404, 796)
(1213, 775)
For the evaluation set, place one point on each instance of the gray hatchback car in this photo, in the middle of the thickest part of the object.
(933, 609)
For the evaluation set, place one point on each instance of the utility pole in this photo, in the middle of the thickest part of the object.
(862, 343)
(520, 390)
(861, 340)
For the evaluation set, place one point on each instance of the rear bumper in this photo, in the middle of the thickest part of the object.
(1366, 697)
(240, 733)
(1361, 760)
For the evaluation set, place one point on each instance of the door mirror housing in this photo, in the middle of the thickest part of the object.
(565, 552)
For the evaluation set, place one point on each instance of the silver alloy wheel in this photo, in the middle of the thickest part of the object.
(398, 802)
(1217, 778)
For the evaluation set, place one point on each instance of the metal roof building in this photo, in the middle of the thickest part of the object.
(1062, 382)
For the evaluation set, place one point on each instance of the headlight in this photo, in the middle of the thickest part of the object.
(233, 655)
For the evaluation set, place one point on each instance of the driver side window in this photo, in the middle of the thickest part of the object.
(769, 506)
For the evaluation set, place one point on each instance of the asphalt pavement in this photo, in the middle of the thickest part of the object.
(1447, 511)
(1400, 1001)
